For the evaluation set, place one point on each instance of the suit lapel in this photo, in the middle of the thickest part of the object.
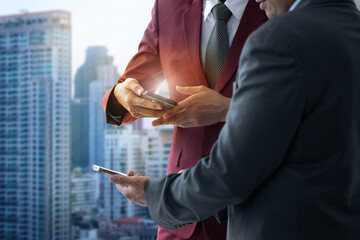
(192, 30)
(252, 18)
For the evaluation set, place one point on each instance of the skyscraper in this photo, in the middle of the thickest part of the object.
(116, 157)
(142, 150)
(84, 191)
(107, 76)
(157, 152)
(35, 69)
(87, 73)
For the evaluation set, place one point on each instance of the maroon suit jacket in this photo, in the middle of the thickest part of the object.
(170, 49)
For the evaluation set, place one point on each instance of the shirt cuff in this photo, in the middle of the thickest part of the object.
(114, 109)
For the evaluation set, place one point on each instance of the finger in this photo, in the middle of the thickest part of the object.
(145, 103)
(133, 84)
(173, 118)
(145, 112)
(138, 174)
(174, 110)
(171, 121)
(129, 94)
(120, 179)
(190, 90)
(181, 171)
(158, 122)
(177, 112)
(130, 173)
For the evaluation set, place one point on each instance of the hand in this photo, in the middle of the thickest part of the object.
(204, 107)
(128, 94)
(132, 187)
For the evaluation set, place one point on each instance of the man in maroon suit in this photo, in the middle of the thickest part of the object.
(179, 45)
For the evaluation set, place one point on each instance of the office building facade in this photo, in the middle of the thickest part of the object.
(84, 191)
(107, 77)
(86, 74)
(157, 151)
(124, 151)
(131, 147)
(35, 72)
(116, 157)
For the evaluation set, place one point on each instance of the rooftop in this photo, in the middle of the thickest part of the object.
(35, 18)
(129, 220)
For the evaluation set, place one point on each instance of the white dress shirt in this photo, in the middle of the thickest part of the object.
(293, 6)
(236, 7)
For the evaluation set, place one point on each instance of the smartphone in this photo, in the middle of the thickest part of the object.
(163, 101)
(106, 171)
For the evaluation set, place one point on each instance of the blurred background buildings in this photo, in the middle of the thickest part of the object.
(35, 80)
(49, 140)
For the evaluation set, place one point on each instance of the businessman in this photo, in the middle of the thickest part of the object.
(287, 161)
(195, 44)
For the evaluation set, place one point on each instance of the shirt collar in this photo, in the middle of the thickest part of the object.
(231, 4)
(293, 6)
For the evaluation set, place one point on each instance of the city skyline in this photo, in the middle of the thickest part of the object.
(35, 124)
(127, 17)
(96, 23)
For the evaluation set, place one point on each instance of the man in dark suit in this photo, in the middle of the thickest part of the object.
(287, 162)
(174, 47)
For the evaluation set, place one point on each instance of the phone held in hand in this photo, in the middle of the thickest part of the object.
(163, 101)
(106, 171)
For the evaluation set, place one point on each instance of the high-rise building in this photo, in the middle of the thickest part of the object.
(124, 151)
(35, 70)
(130, 147)
(87, 73)
(116, 158)
(158, 151)
(84, 190)
(107, 76)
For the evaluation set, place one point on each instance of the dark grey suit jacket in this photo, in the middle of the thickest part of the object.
(287, 162)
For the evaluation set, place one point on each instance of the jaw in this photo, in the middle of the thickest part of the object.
(274, 8)
(266, 6)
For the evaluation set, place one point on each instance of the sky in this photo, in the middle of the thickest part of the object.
(116, 24)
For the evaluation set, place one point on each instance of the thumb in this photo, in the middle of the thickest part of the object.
(190, 90)
(134, 86)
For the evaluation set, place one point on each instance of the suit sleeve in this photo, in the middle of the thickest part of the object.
(265, 112)
(145, 67)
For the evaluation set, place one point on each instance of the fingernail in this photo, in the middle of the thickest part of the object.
(159, 107)
(139, 92)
